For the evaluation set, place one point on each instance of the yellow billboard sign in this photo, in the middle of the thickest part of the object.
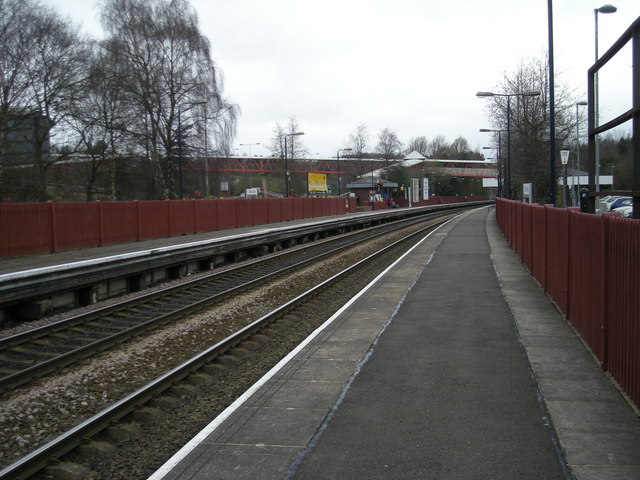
(317, 182)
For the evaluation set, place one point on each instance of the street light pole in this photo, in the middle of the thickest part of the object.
(596, 103)
(286, 165)
(338, 165)
(508, 95)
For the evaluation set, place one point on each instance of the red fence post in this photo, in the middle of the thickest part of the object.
(569, 267)
(54, 228)
(195, 217)
(100, 224)
(604, 315)
(138, 226)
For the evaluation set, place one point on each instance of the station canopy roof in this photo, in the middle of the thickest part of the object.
(415, 155)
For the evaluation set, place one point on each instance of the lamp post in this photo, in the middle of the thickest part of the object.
(498, 159)
(578, 104)
(508, 96)
(338, 165)
(603, 9)
(613, 171)
(286, 165)
(190, 104)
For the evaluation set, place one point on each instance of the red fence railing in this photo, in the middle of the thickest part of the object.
(590, 267)
(30, 228)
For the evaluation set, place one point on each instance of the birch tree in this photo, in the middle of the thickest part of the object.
(169, 70)
(42, 73)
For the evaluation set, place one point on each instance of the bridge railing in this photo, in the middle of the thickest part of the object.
(589, 265)
(31, 228)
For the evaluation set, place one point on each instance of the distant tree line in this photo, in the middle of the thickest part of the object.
(131, 102)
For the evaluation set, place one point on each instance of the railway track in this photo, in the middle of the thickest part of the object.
(203, 368)
(38, 352)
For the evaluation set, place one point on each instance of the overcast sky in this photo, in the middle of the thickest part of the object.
(413, 66)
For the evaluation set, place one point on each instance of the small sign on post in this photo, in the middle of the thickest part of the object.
(527, 192)
(564, 157)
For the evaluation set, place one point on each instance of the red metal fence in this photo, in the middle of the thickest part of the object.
(30, 228)
(590, 267)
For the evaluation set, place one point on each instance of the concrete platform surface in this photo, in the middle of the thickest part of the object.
(453, 364)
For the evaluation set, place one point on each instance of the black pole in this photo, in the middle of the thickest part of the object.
(508, 172)
(566, 188)
(578, 146)
(635, 127)
(180, 152)
(552, 116)
(500, 179)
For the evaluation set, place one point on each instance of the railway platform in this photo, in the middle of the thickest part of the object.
(452, 364)
(44, 260)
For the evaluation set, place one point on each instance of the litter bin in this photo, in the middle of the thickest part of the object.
(584, 200)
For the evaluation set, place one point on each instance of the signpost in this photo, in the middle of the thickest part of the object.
(564, 157)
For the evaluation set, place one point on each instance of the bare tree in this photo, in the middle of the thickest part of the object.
(460, 149)
(17, 47)
(295, 144)
(43, 72)
(389, 146)
(419, 144)
(438, 148)
(169, 65)
(277, 141)
(359, 141)
(295, 149)
(101, 120)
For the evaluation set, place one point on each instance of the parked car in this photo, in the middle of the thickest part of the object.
(602, 205)
(626, 211)
(620, 202)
